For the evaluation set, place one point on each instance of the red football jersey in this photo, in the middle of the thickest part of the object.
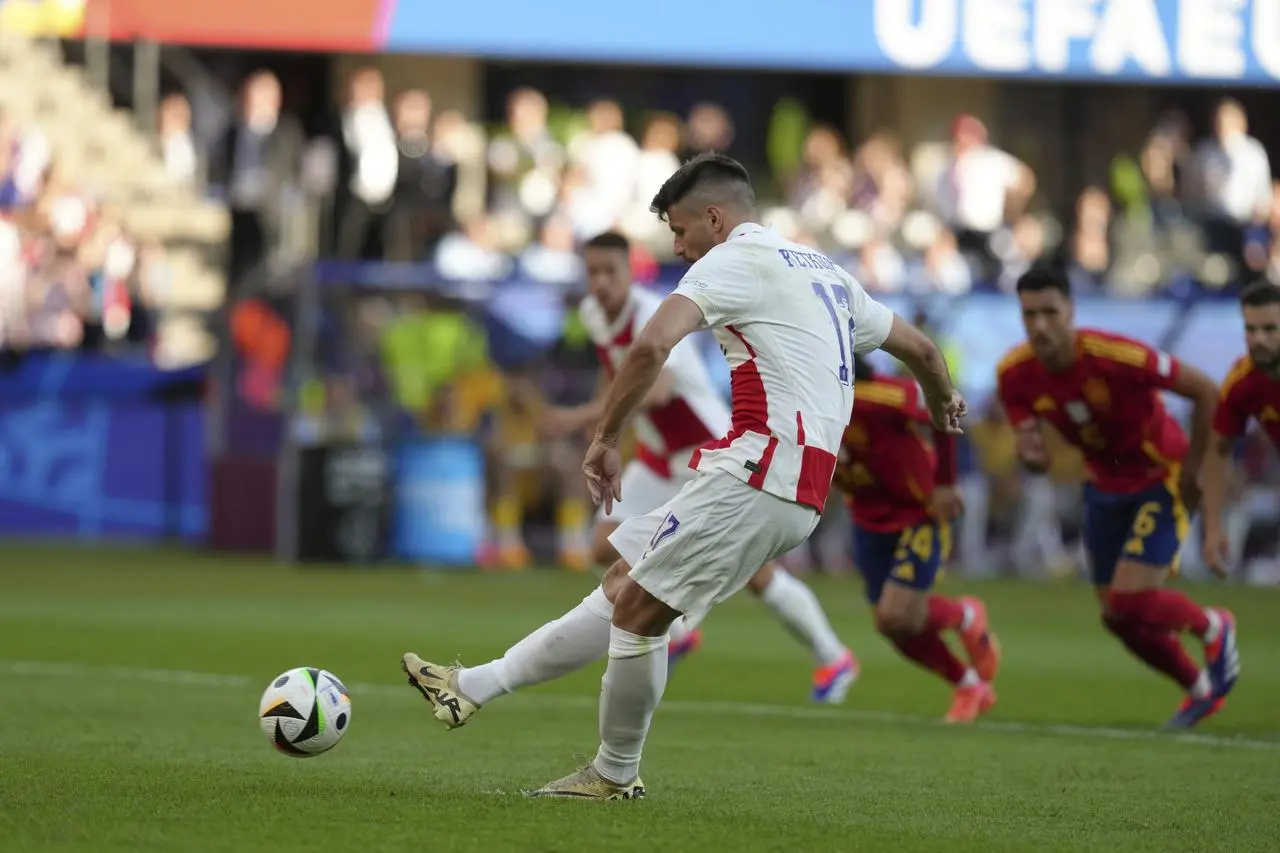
(885, 466)
(1108, 404)
(1247, 392)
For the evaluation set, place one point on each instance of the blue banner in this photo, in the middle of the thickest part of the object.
(99, 469)
(439, 515)
(1172, 40)
(88, 449)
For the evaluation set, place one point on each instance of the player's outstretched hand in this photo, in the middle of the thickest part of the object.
(946, 503)
(1217, 552)
(947, 413)
(603, 469)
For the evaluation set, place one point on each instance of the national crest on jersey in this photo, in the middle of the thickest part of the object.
(789, 321)
(696, 413)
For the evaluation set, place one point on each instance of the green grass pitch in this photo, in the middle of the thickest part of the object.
(130, 684)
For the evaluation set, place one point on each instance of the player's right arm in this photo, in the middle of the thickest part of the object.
(1032, 452)
(922, 357)
(1229, 422)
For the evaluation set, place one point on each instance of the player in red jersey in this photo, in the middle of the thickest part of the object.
(1250, 391)
(1101, 392)
(903, 498)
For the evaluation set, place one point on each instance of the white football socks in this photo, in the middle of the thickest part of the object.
(799, 611)
(578, 638)
(630, 691)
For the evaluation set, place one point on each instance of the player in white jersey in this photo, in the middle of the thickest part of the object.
(789, 321)
(681, 413)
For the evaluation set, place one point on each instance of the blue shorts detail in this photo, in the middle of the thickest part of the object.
(1146, 527)
(909, 557)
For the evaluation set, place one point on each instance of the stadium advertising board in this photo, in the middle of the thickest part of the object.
(99, 450)
(1153, 40)
(1173, 40)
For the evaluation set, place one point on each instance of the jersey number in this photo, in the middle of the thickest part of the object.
(842, 299)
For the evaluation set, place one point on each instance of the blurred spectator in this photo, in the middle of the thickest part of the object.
(1232, 183)
(710, 129)
(68, 271)
(943, 269)
(13, 276)
(422, 207)
(1271, 267)
(587, 208)
(254, 162)
(608, 157)
(1018, 248)
(472, 254)
(880, 267)
(824, 184)
(460, 144)
(881, 182)
(658, 158)
(1089, 246)
(177, 145)
(24, 159)
(981, 188)
(525, 160)
(1163, 162)
(368, 166)
(554, 258)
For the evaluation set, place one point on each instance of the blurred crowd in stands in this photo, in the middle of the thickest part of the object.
(401, 181)
(70, 276)
(407, 183)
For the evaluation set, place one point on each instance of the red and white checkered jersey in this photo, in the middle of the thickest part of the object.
(696, 413)
(789, 321)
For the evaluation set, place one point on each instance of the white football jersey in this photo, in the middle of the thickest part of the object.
(789, 321)
(696, 413)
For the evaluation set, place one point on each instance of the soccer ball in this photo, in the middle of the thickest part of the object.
(305, 711)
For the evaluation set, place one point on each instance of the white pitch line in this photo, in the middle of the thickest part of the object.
(741, 709)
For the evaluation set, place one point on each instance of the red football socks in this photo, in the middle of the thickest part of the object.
(1164, 609)
(945, 614)
(932, 652)
(1160, 650)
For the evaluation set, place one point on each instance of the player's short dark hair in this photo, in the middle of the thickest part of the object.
(1042, 277)
(609, 240)
(862, 369)
(709, 170)
(1260, 293)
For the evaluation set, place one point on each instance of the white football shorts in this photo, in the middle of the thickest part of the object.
(644, 489)
(704, 544)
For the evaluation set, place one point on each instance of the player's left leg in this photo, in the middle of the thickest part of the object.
(685, 636)
(900, 569)
(1129, 572)
(577, 639)
(800, 613)
(644, 490)
(687, 556)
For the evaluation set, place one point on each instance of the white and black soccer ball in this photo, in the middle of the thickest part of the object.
(305, 711)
